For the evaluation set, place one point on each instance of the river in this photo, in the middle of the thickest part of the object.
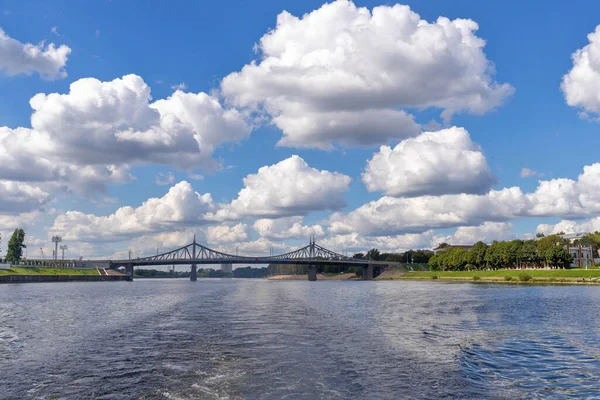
(250, 339)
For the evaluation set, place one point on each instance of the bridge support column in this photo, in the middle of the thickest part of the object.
(194, 273)
(129, 271)
(312, 273)
(368, 272)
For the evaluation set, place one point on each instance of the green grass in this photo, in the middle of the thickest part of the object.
(46, 271)
(542, 273)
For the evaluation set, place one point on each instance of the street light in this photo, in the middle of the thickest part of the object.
(63, 248)
(56, 240)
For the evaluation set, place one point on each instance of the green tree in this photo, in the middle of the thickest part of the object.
(477, 254)
(548, 242)
(558, 256)
(434, 263)
(374, 255)
(14, 251)
(528, 251)
(493, 255)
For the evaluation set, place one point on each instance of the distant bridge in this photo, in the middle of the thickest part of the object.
(195, 253)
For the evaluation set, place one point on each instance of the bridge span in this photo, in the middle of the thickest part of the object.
(194, 254)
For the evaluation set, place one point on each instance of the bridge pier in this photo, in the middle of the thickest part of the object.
(368, 272)
(129, 271)
(312, 272)
(194, 273)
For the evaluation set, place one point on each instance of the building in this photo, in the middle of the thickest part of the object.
(583, 256)
(452, 246)
(227, 268)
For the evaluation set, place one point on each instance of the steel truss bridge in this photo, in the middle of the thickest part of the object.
(195, 253)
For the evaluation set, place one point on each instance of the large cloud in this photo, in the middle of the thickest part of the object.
(17, 198)
(486, 232)
(569, 226)
(90, 136)
(287, 188)
(354, 242)
(581, 85)
(434, 163)
(25, 58)
(179, 207)
(286, 228)
(391, 216)
(340, 73)
(227, 234)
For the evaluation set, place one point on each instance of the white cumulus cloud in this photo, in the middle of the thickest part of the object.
(340, 74)
(581, 85)
(18, 58)
(557, 197)
(90, 136)
(286, 228)
(181, 206)
(434, 163)
(287, 188)
(226, 234)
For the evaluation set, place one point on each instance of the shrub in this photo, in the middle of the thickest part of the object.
(434, 277)
(470, 267)
(476, 278)
(508, 278)
(524, 277)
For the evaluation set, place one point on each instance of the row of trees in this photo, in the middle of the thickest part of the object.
(410, 256)
(545, 252)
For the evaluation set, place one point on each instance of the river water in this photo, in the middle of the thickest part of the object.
(251, 339)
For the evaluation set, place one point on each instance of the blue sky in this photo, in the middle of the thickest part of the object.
(529, 44)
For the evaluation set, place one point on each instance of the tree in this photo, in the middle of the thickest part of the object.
(14, 251)
(539, 235)
(548, 242)
(557, 256)
(493, 255)
(373, 255)
(477, 254)
(528, 251)
(359, 256)
(434, 263)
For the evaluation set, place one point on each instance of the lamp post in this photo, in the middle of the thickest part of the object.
(56, 240)
(63, 248)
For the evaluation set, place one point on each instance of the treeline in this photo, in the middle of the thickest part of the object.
(410, 256)
(249, 272)
(246, 272)
(302, 269)
(545, 252)
(153, 273)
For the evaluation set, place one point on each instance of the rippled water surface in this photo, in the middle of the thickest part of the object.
(246, 339)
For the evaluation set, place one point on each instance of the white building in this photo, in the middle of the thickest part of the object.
(583, 256)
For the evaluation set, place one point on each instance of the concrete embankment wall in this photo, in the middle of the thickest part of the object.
(59, 278)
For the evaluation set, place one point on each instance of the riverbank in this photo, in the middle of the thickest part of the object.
(511, 276)
(36, 274)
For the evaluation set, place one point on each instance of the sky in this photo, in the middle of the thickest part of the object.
(132, 126)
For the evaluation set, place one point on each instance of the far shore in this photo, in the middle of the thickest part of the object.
(578, 276)
(320, 277)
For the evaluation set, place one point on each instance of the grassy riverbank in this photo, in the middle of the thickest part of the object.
(576, 275)
(47, 271)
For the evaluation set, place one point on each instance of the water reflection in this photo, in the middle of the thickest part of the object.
(260, 339)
